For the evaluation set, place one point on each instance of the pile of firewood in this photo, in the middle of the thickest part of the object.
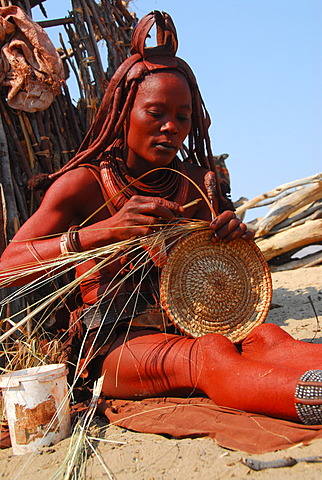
(293, 221)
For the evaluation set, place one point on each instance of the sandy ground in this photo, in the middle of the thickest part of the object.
(152, 457)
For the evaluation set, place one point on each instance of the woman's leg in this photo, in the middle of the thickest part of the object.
(148, 363)
(155, 364)
(271, 344)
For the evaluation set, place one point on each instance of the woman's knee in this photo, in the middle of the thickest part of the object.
(268, 333)
(215, 346)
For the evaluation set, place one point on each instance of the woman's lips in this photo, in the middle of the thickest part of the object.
(166, 147)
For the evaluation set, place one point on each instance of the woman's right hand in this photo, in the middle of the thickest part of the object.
(138, 217)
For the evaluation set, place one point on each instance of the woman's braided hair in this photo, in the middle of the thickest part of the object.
(120, 94)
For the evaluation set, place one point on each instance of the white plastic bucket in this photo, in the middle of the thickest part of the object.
(37, 406)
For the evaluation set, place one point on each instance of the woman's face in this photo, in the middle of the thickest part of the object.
(159, 121)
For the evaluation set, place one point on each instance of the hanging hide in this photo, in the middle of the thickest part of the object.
(30, 66)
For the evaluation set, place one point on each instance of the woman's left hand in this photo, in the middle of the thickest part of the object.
(228, 227)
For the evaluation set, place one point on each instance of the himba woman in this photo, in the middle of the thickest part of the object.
(150, 107)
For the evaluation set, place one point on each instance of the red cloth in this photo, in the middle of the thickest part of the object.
(199, 417)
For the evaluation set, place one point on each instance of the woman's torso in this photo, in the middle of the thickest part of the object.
(116, 276)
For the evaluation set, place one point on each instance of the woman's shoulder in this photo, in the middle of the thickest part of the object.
(195, 172)
(76, 180)
(77, 189)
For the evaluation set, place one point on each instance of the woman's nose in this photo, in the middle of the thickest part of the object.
(169, 127)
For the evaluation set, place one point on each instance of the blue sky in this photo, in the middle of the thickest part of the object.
(258, 65)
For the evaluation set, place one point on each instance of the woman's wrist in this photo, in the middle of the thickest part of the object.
(69, 241)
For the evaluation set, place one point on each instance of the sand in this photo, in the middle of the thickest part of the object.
(139, 456)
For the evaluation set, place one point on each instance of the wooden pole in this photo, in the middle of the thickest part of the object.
(7, 184)
(308, 234)
(288, 205)
(256, 201)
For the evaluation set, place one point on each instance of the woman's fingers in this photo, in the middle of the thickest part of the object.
(142, 215)
(222, 219)
(228, 227)
(158, 208)
(230, 231)
(248, 235)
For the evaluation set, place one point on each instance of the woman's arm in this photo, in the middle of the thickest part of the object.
(39, 238)
(72, 199)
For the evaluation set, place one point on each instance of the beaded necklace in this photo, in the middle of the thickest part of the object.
(115, 176)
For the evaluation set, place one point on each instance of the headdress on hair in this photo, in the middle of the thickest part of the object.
(119, 97)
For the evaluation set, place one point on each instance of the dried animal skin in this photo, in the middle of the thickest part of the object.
(32, 69)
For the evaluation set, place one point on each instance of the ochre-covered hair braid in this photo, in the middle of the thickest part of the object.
(120, 94)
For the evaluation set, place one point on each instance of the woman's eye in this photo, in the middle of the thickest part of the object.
(154, 114)
(183, 118)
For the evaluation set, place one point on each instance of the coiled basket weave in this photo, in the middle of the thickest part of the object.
(218, 287)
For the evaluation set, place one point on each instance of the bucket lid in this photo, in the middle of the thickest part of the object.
(42, 373)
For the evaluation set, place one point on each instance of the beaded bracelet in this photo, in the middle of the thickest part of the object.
(73, 244)
(69, 241)
(63, 244)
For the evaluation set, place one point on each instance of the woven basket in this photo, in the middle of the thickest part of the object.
(218, 287)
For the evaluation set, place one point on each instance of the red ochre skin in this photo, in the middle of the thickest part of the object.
(260, 375)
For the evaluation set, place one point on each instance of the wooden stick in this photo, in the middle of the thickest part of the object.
(124, 11)
(314, 211)
(25, 167)
(62, 109)
(276, 191)
(287, 205)
(27, 140)
(72, 115)
(116, 50)
(87, 41)
(34, 141)
(307, 261)
(55, 23)
(57, 126)
(21, 203)
(6, 181)
(40, 143)
(301, 236)
(44, 152)
(93, 39)
(3, 221)
(190, 204)
(110, 42)
(84, 76)
(316, 214)
(71, 63)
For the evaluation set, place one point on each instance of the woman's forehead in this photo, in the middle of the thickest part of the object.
(158, 82)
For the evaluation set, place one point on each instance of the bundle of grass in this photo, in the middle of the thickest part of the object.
(81, 444)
